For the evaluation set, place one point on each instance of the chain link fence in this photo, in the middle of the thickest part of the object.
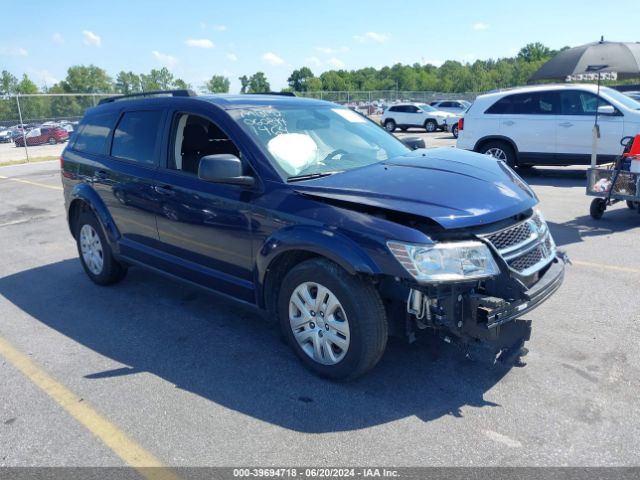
(37, 110)
(20, 115)
(386, 96)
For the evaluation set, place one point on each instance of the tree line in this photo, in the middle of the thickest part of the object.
(450, 77)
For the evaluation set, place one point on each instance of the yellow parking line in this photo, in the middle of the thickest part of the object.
(114, 438)
(606, 266)
(28, 182)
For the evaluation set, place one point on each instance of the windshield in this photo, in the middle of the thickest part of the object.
(310, 141)
(427, 108)
(625, 100)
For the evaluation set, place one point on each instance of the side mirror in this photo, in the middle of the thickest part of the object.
(606, 110)
(413, 143)
(419, 111)
(223, 168)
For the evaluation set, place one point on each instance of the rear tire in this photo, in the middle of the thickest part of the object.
(597, 208)
(390, 126)
(502, 151)
(52, 141)
(335, 322)
(454, 131)
(95, 254)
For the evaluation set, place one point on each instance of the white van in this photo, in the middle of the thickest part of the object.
(549, 124)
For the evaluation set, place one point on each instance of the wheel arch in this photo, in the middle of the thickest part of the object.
(84, 198)
(285, 249)
(495, 138)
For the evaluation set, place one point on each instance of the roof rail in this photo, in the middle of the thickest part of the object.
(282, 94)
(173, 93)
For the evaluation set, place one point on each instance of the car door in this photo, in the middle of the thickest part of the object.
(124, 176)
(413, 116)
(575, 128)
(204, 227)
(529, 120)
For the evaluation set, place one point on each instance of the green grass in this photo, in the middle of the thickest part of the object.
(31, 160)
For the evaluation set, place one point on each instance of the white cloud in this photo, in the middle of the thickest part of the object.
(199, 43)
(331, 51)
(272, 59)
(314, 61)
(91, 38)
(232, 56)
(13, 52)
(335, 62)
(164, 59)
(220, 28)
(372, 36)
(57, 38)
(480, 26)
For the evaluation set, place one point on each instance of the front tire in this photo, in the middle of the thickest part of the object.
(502, 151)
(52, 141)
(390, 126)
(95, 254)
(430, 126)
(335, 322)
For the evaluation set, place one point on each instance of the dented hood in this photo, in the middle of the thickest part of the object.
(455, 188)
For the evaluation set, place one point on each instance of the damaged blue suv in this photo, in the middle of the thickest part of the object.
(315, 215)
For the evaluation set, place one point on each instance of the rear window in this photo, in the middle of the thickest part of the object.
(92, 134)
(136, 136)
(532, 103)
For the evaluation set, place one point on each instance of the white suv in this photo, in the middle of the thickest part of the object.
(548, 124)
(408, 115)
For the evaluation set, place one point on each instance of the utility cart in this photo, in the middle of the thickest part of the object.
(614, 182)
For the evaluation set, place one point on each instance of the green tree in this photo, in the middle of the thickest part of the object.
(128, 82)
(533, 52)
(87, 79)
(217, 84)
(157, 80)
(300, 80)
(181, 84)
(258, 83)
(244, 83)
(8, 83)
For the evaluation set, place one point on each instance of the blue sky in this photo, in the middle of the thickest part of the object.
(197, 39)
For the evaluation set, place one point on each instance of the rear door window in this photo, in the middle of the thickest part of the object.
(531, 103)
(136, 137)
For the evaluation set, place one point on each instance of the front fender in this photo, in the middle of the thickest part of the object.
(317, 240)
(85, 193)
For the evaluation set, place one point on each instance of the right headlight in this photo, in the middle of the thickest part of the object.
(445, 262)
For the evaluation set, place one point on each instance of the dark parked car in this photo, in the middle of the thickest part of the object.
(315, 215)
(38, 136)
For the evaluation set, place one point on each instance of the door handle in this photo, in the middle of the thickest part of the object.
(566, 124)
(100, 175)
(508, 123)
(164, 190)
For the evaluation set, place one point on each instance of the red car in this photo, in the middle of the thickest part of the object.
(38, 136)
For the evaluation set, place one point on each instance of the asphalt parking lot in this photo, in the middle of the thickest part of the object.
(188, 378)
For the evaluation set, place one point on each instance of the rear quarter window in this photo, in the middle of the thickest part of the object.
(92, 133)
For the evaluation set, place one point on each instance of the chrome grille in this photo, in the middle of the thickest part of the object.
(526, 247)
(510, 236)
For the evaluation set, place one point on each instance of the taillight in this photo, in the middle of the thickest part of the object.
(61, 162)
(461, 124)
